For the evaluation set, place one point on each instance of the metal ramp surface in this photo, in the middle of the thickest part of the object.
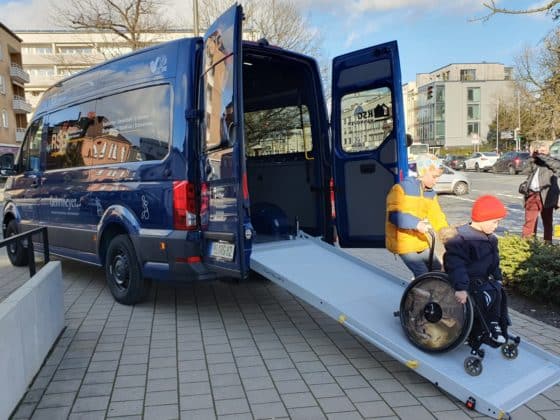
(364, 298)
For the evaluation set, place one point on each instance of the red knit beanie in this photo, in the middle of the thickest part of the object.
(487, 207)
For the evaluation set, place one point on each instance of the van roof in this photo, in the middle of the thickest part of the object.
(155, 62)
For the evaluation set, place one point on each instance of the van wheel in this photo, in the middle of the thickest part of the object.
(512, 170)
(476, 167)
(123, 273)
(17, 253)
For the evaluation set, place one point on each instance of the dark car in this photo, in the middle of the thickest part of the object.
(455, 162)
(511, 162)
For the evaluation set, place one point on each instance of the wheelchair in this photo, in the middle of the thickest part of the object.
(436, 323)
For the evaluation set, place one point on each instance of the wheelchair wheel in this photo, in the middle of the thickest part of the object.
(473, 366)
(510, 351)
(431, 317)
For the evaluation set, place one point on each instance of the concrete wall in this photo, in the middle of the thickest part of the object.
(31, 319)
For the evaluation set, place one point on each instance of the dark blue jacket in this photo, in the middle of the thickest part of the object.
(471, 255)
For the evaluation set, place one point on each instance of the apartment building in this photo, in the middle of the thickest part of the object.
(51, 55)
(454, 105)
(13, 106)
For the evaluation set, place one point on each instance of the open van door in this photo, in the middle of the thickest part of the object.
(224, 212)
(369, 141)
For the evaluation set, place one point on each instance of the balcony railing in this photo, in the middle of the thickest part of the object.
(20, 134)
(18, 74)
(21, 106)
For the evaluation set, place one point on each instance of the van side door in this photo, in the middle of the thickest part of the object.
(224, 212)
(369, 141)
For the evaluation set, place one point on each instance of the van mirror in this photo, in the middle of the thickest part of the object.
(7, 164)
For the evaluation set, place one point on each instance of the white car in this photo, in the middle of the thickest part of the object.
(481, 161)
(450, 181)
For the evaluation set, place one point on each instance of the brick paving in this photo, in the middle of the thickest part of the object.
(228, 350)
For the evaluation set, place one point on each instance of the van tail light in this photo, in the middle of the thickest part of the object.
(483, 158)
(184, 205)
(331, 191)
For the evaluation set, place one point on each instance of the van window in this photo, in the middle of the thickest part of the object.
(366, 120)
(132, 126)
(69, 137)
(31, 149)
(278, 131)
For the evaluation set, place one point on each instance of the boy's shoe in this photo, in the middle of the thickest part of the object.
(496, 332)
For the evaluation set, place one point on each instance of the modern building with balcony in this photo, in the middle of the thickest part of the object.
(455, 105)
(52, 55)
(13, 105)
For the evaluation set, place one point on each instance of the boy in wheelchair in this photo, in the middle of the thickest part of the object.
(472, 263)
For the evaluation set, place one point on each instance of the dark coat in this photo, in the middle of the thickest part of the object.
(470, 255)
(548, 180)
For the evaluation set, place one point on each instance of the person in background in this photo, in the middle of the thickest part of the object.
(472, 262)
(413, 209)
(542, 196)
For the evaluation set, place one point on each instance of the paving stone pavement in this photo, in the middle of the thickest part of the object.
(231, 350)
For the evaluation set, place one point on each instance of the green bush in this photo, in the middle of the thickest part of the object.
(531, 266)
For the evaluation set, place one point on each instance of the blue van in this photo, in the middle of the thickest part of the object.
(168, 163)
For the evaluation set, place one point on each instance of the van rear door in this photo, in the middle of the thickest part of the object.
(224, 210)
(369, 144)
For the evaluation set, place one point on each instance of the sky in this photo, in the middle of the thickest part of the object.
(430, 33)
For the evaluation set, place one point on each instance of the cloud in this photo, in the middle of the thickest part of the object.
(366, 6)
(30, 14)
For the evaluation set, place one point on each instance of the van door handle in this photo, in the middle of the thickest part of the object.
(367, 168)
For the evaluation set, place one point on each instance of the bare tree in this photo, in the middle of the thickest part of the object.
(279, 21)
(538, 80)
(135, 22)
(552, 7)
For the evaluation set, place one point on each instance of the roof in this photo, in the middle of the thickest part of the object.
(10, 32)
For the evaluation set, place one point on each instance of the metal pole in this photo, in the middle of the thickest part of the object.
(517, 140)
(195, 18)
(497, 124)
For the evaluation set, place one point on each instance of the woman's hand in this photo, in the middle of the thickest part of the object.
(461, 296)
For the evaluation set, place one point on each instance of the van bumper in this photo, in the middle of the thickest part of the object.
(171, 255)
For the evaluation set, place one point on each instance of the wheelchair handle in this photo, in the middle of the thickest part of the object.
(432, 248)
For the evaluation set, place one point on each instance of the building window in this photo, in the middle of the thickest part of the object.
(468, 74)
(473, 94)
(473, 128)
(40, 71)
(4, 118)
(37, 50)
(473, 112)
(2, 85)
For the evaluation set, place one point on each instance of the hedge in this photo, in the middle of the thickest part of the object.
(531, 267)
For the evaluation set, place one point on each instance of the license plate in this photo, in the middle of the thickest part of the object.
(222, 250)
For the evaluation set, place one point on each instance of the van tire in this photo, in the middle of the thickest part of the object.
(17, 253)
(123, 272)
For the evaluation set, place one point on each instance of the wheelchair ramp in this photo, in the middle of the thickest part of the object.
(364, 298)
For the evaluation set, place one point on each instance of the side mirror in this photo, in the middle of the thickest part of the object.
(7, 164)
(409, 140)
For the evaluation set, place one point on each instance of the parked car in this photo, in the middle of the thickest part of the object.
(511, 162)
(450, 181)
(554, 149)
(481, 161)
(455, 161)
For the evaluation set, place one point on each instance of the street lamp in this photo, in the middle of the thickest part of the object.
(196, 29)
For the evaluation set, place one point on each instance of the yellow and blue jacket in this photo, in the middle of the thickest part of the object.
(407, 204)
